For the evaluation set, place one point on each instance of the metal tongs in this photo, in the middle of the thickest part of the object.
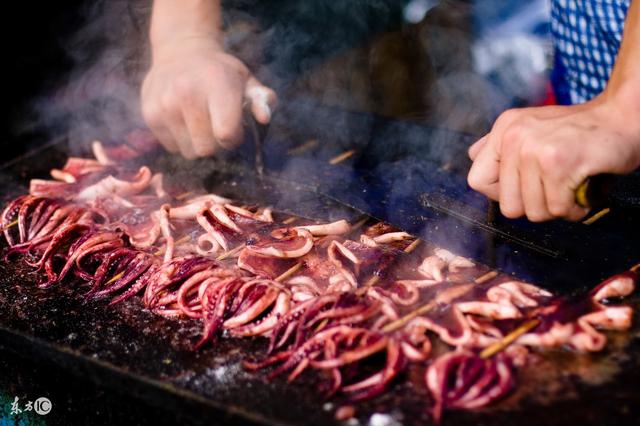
(258, 133)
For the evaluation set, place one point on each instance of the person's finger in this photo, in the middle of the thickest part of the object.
(562, 172)
(511, 203)
(154, 119)
(477, 147)
(225, 111)
(532, 189)
(561, 199)
(176, 125)
(261, 98)
(485, 170)
(165, 138)
(198, 123)
(577, 213)
(492, 191)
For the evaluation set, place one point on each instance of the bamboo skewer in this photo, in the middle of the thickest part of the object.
(376, 278)
(596, 216)
(184, 195)
(300, 149)
(411, 247)
(231, 252)
(358, 224)
(290, 220)
(370, 283)
(9, 225)
(322, 324)
(486, 277)
(400, 322)
(289, 272)
(507, 340)
(115, 278)
(340, 158)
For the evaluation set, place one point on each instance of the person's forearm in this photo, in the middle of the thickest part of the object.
(624, 85)
(174, 21)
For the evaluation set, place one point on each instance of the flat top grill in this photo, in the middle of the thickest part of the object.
(151, 357)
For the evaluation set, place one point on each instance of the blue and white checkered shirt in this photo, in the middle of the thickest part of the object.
(587, 38)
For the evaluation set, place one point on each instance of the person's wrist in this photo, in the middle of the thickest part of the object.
(624, 101)
(186, 44)
(627, 110)
(620, 111)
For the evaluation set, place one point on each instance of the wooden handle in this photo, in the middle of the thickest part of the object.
(594, 191)
(581, 194)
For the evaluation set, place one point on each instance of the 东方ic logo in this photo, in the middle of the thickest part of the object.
(42, 406)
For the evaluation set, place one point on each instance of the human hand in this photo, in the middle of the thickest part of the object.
(533, 159)
(193, 97)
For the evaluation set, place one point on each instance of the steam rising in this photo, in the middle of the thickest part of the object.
(358, 55)
(375, 56)
(100, 97)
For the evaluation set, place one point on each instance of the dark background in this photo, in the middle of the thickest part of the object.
(35, 62)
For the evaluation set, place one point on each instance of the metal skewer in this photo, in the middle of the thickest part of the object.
(253, 126)
(259, 160)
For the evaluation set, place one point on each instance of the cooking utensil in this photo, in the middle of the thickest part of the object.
(257, 132)
(606, 190)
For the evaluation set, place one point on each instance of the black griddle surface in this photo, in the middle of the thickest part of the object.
(149, 358)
